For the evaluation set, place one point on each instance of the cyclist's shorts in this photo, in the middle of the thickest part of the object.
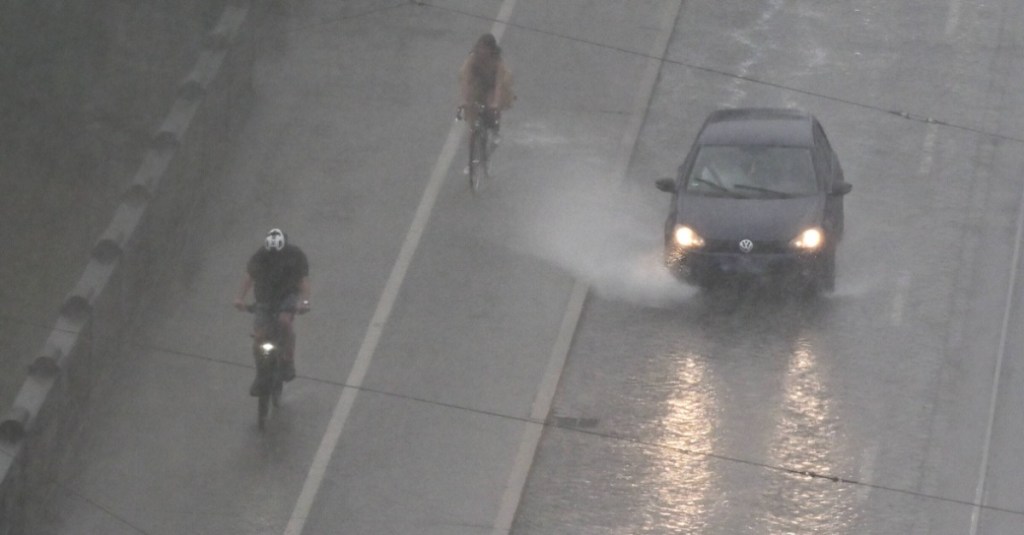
(265, 313)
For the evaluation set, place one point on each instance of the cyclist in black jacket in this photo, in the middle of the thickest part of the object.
(278, 273)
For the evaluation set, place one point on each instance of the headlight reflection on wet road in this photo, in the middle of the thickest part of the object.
(680, 470)
(807, 440)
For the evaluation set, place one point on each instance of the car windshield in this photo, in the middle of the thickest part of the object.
(752, 171)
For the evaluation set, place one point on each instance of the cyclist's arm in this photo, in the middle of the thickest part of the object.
(304, 290)
(503, 95)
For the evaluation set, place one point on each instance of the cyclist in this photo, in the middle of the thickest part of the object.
(278, 273)
(485, 79)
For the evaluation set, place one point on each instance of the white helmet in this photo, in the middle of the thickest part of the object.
(275, 240)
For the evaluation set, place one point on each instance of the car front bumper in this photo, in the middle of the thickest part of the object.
(701, 268)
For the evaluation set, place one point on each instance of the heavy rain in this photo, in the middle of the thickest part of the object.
(518, 358)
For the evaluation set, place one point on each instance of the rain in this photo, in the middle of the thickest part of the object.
(516, 359)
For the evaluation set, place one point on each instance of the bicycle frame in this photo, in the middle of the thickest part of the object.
(269, 345)
(484, 122)
(268, 354)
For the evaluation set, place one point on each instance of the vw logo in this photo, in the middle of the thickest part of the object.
(746, 245)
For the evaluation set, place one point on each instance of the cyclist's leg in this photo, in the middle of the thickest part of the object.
(496, 126)
(287, 319)
(288, 351)
(470, 114)
(474, 152)
(490, 137)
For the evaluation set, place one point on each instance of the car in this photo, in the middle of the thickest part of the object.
(760, 194)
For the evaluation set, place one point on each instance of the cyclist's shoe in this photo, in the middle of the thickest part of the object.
(289, 370)
(496, 138)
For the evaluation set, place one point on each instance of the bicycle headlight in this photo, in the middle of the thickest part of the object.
(686, 238)
(267, 348)
(809, 240)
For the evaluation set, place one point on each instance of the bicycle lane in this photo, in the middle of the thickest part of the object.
(350, 99)
(430, 442)
(434, 442)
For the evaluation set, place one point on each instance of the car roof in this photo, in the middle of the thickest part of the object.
(758, 126)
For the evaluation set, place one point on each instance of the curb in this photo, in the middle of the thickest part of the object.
(211, 102)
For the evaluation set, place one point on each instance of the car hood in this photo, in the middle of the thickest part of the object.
(726, 218)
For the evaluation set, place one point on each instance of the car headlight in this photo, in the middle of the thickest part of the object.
(809, 240)
(686, 238)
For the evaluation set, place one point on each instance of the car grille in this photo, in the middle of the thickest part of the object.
(733, 246)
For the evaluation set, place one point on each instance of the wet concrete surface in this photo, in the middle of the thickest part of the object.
(866, 411)
(882, 408)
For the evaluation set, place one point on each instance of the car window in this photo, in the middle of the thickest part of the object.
(752, 171)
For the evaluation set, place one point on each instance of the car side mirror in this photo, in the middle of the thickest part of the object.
(842, 188)
(666, 184)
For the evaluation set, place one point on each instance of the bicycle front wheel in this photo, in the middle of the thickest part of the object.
(477, 157)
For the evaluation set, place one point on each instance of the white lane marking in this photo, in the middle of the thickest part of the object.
(329, 442)
(504, 14)
(542, 402)
(314, 479)
(539, 411)
(979, 491)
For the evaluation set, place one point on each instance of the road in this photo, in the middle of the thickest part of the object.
(443, 322)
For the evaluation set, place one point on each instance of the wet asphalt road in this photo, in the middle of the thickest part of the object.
(888, 407)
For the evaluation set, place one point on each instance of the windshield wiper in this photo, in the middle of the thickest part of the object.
(715, 185)
(776, 193)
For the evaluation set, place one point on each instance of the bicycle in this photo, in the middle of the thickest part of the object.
(481, 143)
(268, 352)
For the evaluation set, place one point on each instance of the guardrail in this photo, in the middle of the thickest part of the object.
(212, 102)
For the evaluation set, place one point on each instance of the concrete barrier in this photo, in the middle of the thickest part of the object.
(211, 104)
